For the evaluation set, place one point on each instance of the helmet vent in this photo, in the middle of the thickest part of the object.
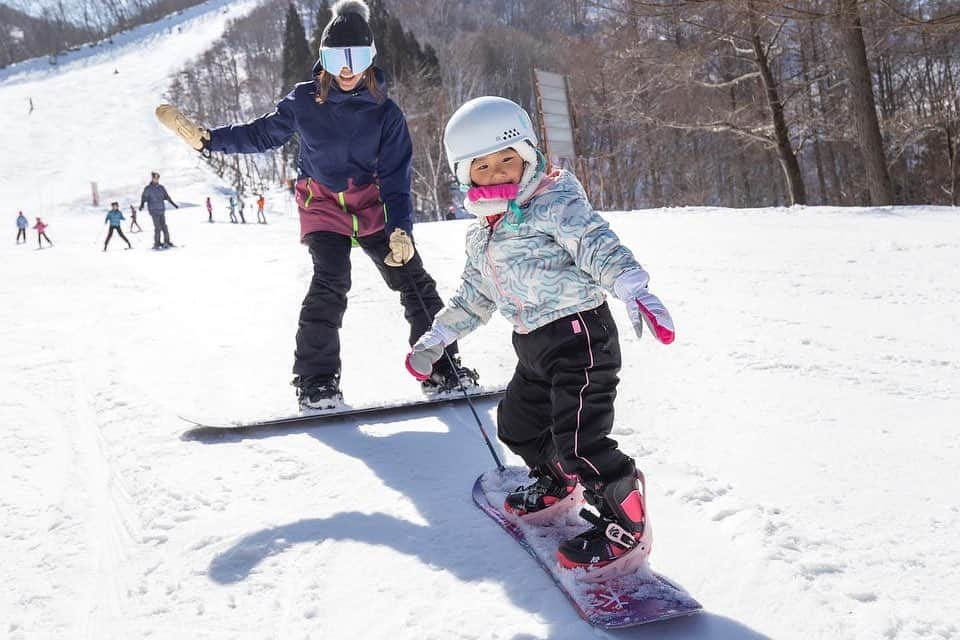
(508, 134)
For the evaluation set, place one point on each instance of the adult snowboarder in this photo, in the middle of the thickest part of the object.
(154, 195)
(353, 189)
(22, 223)
(114, 218)
(543, 256)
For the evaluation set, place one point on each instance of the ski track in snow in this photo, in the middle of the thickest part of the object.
(797, 438)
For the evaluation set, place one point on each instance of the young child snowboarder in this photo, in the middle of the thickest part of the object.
(209, 210)
(261, 218)
(21, 227)
(133, 220)
(114, 218)
(41, 228)
(540, 254)
(353, 189)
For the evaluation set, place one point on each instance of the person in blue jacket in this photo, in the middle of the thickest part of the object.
(232, 207)
(353, 189)
(21, 227)
(114, 218)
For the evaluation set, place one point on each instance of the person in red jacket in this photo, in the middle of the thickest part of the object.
(261, 218)
(41, 227)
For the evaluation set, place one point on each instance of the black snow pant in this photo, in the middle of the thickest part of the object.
(321, 315)
(110, 235)
(21, 233)
(559, 403)
(160, 226)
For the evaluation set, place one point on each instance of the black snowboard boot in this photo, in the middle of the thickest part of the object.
(318, 392)
(553, 492)
(448, 379)
(621, 534)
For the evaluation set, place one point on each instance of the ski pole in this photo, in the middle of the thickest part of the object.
(453, 367)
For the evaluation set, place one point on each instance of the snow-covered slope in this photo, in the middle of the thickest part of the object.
(799, 438)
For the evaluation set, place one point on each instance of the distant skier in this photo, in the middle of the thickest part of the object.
(232, 208)
(41, 228)
(22, 223)
(209, 210)
(114, 218)
(353, 189)
(240, 210)
(154, 196)
(544, 257)
(133, 220)
(261, 217)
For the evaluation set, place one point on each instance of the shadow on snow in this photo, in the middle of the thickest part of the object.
(435, 471)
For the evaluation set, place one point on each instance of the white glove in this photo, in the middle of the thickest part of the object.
(428, 349)
(401, 249)
(643, 307)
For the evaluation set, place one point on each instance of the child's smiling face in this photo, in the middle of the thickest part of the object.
(500, 167)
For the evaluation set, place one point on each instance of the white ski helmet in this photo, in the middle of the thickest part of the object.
(484, 125)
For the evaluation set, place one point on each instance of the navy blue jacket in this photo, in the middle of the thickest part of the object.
(153, 196)
(349, 140)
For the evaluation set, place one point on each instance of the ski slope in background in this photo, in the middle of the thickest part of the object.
(799, 438)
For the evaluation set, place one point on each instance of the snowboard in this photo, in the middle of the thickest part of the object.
(625, 601)
(202, 430)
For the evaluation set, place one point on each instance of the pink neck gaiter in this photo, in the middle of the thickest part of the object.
(506, 191)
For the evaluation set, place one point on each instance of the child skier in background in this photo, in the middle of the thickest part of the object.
(352, 190)
(41, 228)
(544, 257)
(133, 220)
(114, 218)
(21, 227)
(232, 207)
(240, 210)
(261, 218)
(209, 210)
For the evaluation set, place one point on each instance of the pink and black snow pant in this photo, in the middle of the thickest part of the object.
(559, 403)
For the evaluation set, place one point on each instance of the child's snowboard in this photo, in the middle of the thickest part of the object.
(625, 601)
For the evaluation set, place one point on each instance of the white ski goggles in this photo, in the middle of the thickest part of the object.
(357, 59)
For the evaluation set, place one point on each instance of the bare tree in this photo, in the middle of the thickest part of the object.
(850, 32)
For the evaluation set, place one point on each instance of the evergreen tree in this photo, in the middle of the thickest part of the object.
(323, 18)
(296, 65)
(398, 52)
(297, 60)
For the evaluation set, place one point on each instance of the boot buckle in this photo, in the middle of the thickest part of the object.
(618, 535)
